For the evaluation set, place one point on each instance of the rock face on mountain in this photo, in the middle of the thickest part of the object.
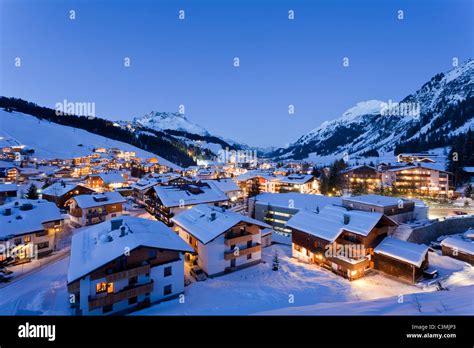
(439, 109)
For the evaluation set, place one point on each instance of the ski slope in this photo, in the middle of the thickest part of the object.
(52, 140)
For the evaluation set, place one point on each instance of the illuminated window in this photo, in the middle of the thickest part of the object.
(27, 239)
(104, 287)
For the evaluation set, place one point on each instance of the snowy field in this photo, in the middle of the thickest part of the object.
(60, 141)
(296, 289)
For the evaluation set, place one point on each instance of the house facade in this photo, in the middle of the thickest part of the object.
(459, 249)
(59, 193)
(302, 183)
(8, 192)
(123, 265)
(223, 241)
(338, 239)
(164, 202)
(364, 178)
(28, 229)
(422, 178)
(92, 209)
(403, 260)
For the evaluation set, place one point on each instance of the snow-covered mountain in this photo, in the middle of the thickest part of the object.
(177, 126)
(439, 109)
(162, 121)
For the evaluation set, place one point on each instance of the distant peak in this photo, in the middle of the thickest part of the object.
(169, 121)
(369, 107)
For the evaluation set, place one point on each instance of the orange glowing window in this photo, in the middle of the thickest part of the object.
(104, 287)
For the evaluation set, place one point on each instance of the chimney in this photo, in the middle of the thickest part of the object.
(8, 212)
(347, 218)
(213, 216)
(122, 231)
(115, 224)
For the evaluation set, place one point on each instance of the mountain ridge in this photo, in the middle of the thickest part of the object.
(364, 127)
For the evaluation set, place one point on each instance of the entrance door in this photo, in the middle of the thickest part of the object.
(232, 263)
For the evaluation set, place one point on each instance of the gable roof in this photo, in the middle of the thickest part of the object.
(225, 185)
(350, 169)
(109, 178)
(401, 250)
(59, 189)
(98, 245)
(459, 244)
(8, 187)
(206, 222)
(173, 196)
(144, 184)
(296, 179)
(98, 199)
(329, 223)
(252, 174)
(26, 221)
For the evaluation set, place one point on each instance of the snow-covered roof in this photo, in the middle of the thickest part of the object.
(206, 222)
(26, 221)
(5, 164)
(401, 250)
(59, 189)
(376, 200)
(459, 244)
(109, 178)
(469, 233)
(98, 245)
(468, 169)
(296, 179)
(144, 184)
(252, 174)
(225, 185)
(164, 177)
(98, 199)
(8, 187)
(174, 196)
(358, 167)
(431, 166)
(329, 223)
(297, 200)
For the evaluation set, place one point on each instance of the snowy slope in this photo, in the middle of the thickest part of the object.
(455, 302)
(51, 140)
(368, 125)
(169, 121)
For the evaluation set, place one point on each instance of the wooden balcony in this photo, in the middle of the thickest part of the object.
(76, 212)
(120, 296)
(134, 272)
(238, 239)
(242, 252)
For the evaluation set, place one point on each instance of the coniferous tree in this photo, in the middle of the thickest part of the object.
(32, 192)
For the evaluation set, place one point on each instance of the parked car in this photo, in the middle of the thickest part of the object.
(198, 273)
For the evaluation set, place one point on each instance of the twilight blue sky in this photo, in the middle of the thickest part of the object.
(190, 62)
